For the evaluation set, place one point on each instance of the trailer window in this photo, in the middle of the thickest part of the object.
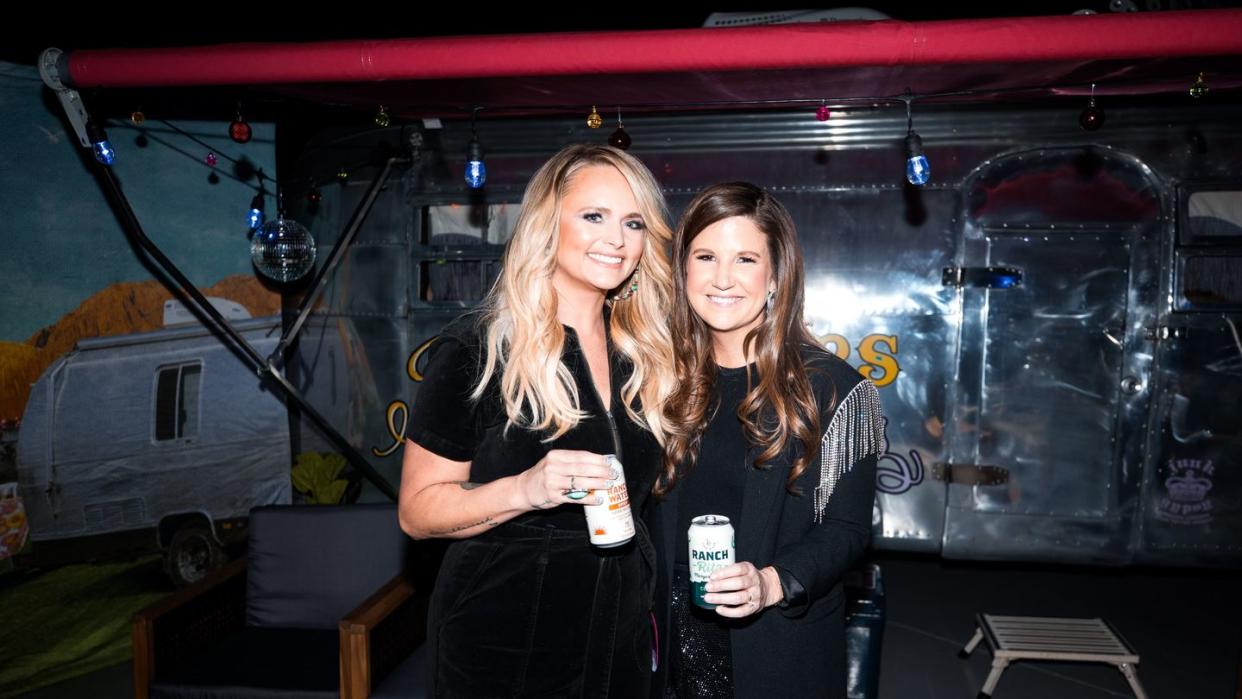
(176, 402)
(466, 224)
(445, 280)
(460, 248)
(1210, 282)
(1213, 216)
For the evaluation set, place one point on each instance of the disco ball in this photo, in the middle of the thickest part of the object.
(283, 250)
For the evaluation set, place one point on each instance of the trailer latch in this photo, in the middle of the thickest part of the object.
(981, 277)
(1165, 332)
(970, 474)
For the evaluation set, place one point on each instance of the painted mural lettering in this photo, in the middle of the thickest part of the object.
(894, 473)
(411, 364)
(877, 352)
(837, 344)
(1187, 484)
(397, 413)
(394, 418)
(880, 367)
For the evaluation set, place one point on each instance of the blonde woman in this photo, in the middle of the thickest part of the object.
(568, 359)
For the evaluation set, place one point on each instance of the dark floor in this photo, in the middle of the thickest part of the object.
(1186, 625)
(114, 682)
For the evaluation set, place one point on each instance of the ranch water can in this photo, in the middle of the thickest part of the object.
(611, 523)
(711, 548)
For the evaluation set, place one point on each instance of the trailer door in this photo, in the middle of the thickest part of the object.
(1056, 282)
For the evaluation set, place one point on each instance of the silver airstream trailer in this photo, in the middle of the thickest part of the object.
(1052, 320)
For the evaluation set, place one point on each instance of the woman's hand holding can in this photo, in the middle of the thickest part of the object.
(565, 477)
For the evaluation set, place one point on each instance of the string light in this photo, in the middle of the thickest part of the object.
(619, 138)
(1200, 87)
(918, 170)
(100, 144)
(254, 217)
(476, 169)
(1092, 117)
(594, 120)
(239, 130)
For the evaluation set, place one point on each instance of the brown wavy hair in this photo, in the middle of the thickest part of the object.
(779, 407)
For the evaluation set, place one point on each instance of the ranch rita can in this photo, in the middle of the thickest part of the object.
(711, 548)
(611, 523)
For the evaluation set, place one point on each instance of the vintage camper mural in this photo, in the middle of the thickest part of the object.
(151, 441)
(119, 412)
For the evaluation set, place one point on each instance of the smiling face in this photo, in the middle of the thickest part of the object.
(728, 276)
(602, 232)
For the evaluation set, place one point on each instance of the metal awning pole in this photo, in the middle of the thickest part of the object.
(338, 252)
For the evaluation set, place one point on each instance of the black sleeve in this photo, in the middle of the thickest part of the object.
(442, 418)
(818, 560)
(793, 594)
(810, 567)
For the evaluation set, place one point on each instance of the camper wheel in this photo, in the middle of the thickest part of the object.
(192, 554)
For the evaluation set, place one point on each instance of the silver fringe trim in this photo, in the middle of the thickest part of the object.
(856, 431)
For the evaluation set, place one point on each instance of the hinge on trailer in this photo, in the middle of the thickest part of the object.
(970, 474)
(981, 277)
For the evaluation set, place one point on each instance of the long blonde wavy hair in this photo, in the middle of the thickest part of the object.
(524, 338)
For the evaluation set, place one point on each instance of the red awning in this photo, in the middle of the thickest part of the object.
(1132, 53)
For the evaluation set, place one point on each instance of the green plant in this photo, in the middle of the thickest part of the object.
(315, 475)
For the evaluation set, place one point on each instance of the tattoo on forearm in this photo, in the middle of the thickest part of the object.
(453, 530)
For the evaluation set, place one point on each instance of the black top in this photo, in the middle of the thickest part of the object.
(716, 482)
(446, 421)
(797, 650)
(557, 616)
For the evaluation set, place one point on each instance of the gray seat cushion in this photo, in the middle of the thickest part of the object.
(310, 565)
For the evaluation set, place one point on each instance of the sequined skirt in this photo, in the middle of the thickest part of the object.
(701, 659)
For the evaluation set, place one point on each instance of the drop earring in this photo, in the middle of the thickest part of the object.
(631, 288)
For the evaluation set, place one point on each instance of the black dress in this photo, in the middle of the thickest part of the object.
(700, 659)
(530, 608)
(811, 539)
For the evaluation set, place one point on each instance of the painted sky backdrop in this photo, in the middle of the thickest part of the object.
(61, 242)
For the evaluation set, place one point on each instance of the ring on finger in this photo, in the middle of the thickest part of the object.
(574, 493)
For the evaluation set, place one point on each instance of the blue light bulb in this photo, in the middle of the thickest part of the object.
(104, 152)
(476, 174)
(476, 170)
(255, 217)
(918, 171)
